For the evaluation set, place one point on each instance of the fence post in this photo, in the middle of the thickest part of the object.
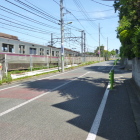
(31, 65)
(47, 62)
(6, 65)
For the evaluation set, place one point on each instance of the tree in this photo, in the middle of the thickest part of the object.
(128, 30)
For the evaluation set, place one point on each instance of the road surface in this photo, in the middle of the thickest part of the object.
(75, 105)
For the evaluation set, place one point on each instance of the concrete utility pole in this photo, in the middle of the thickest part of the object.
(84, 46)
(82, 36)
(107, 48)
(51, 46)
(99, 42)
(62, 35)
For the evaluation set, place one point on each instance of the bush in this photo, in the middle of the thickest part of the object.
(7, 79)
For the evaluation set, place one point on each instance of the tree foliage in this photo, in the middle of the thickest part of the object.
(128, 30)
(104, 53)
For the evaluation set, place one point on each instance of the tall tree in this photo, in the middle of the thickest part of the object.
(128, 30)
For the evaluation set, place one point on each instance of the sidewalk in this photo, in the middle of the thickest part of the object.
(134, 96)
(124, 84)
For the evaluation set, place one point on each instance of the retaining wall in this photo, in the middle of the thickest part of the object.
(136, 71)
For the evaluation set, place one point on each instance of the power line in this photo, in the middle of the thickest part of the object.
(36, 9)
(24, 24)
(73, 16)
(83, 11)
(56, 2)
(101, 3)
(31, 12)
(95, 19)
(25, 17)
(23, 33)
(92, 11)
(23, 28)
(26, 27)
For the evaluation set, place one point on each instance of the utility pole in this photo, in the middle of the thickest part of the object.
(82, 36)
(84, 46)
(51, 46)
(99, 42)
(107, 48)
(62, 35)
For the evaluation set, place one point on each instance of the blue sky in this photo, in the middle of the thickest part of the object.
(37, 27)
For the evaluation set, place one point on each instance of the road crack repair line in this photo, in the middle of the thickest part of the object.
(37, 97)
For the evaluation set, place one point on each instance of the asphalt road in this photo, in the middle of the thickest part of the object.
(64, 106)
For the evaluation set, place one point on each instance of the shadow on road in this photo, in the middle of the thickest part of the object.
(82, 97)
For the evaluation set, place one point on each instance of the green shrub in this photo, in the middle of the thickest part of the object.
(7, 79)
(0, 82)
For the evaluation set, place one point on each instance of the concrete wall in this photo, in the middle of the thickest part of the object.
(126, 63)
(136, 71)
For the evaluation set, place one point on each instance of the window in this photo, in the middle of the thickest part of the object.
(47, 52)
(52, 53)
(57, 53)
(41, 51)
(7, 48)
(22, 49)
(32, 50)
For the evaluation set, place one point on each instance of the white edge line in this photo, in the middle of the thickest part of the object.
(22, 104)
(96, 123)
(95, 126)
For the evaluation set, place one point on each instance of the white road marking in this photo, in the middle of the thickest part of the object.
(35, 98)
(95, 126)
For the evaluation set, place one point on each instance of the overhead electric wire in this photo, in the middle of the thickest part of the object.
(85, 16)
(95, 19)
(83, 11)
(101, 3)
(80, 24)
(23, 33)
(25, 17)
(25, 24)
(72, 15)
(31, 12)
(76, 19)
(36, 9)
(29, 27)
(56, 2)
(93, 11)
(22, 28)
